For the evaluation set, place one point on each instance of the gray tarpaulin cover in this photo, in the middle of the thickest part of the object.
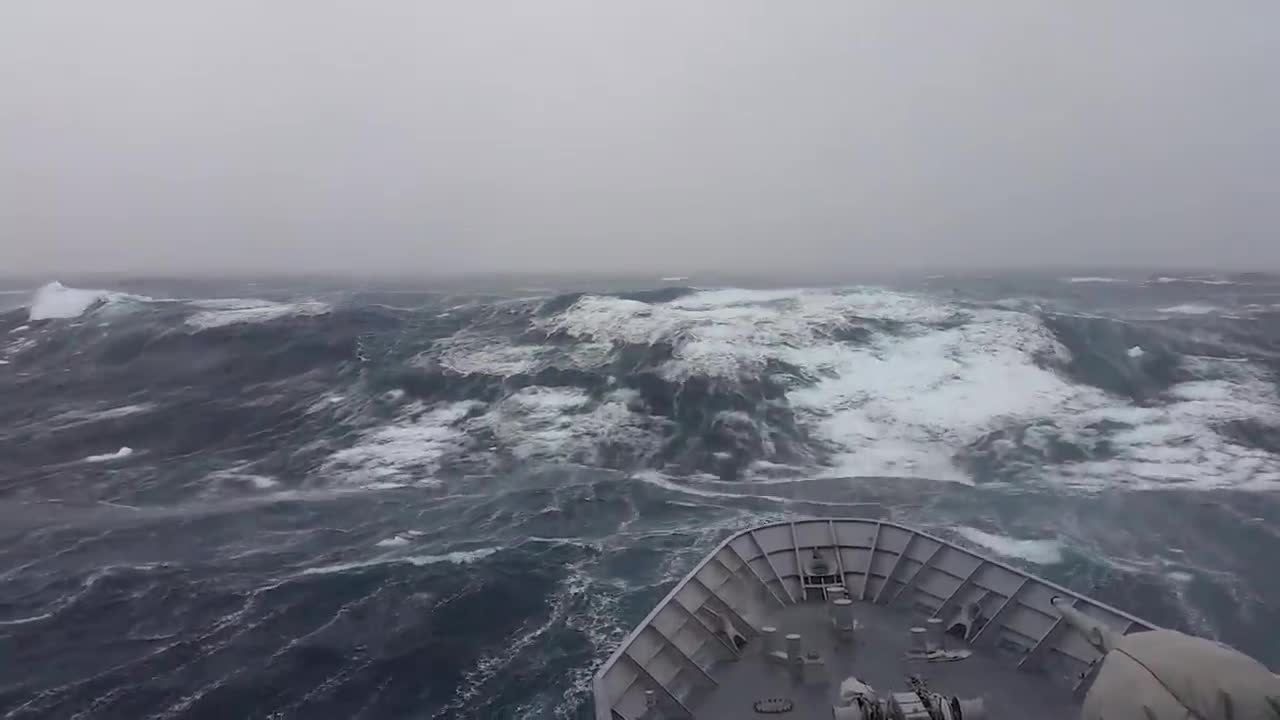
(1166, 675)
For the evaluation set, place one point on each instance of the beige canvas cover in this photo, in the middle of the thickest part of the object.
(1166, 675)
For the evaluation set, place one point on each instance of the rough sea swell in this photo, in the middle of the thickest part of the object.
(386, 505)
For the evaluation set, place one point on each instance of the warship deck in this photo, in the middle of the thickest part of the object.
(877, 655)
(700, 654)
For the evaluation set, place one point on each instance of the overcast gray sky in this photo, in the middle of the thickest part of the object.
(666, 135)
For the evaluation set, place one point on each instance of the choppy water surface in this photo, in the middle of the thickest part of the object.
(237, 500)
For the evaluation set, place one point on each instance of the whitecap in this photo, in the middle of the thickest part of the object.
(411, 449)
(469, 354)
(222, 313)
(1041, 552)
(899, 402)
(733, 333)
(564, 423)
(25, 620)
(122, 453)
(903, 405)
(693, 487)
(460, 557)
(325, 403)
(1181, 439)
(1190, 309)
(1196, 280)
(80, 417)
(57, 301)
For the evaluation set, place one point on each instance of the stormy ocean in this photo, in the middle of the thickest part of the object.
(305, 499)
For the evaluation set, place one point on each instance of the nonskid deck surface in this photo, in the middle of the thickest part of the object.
(878, 657)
